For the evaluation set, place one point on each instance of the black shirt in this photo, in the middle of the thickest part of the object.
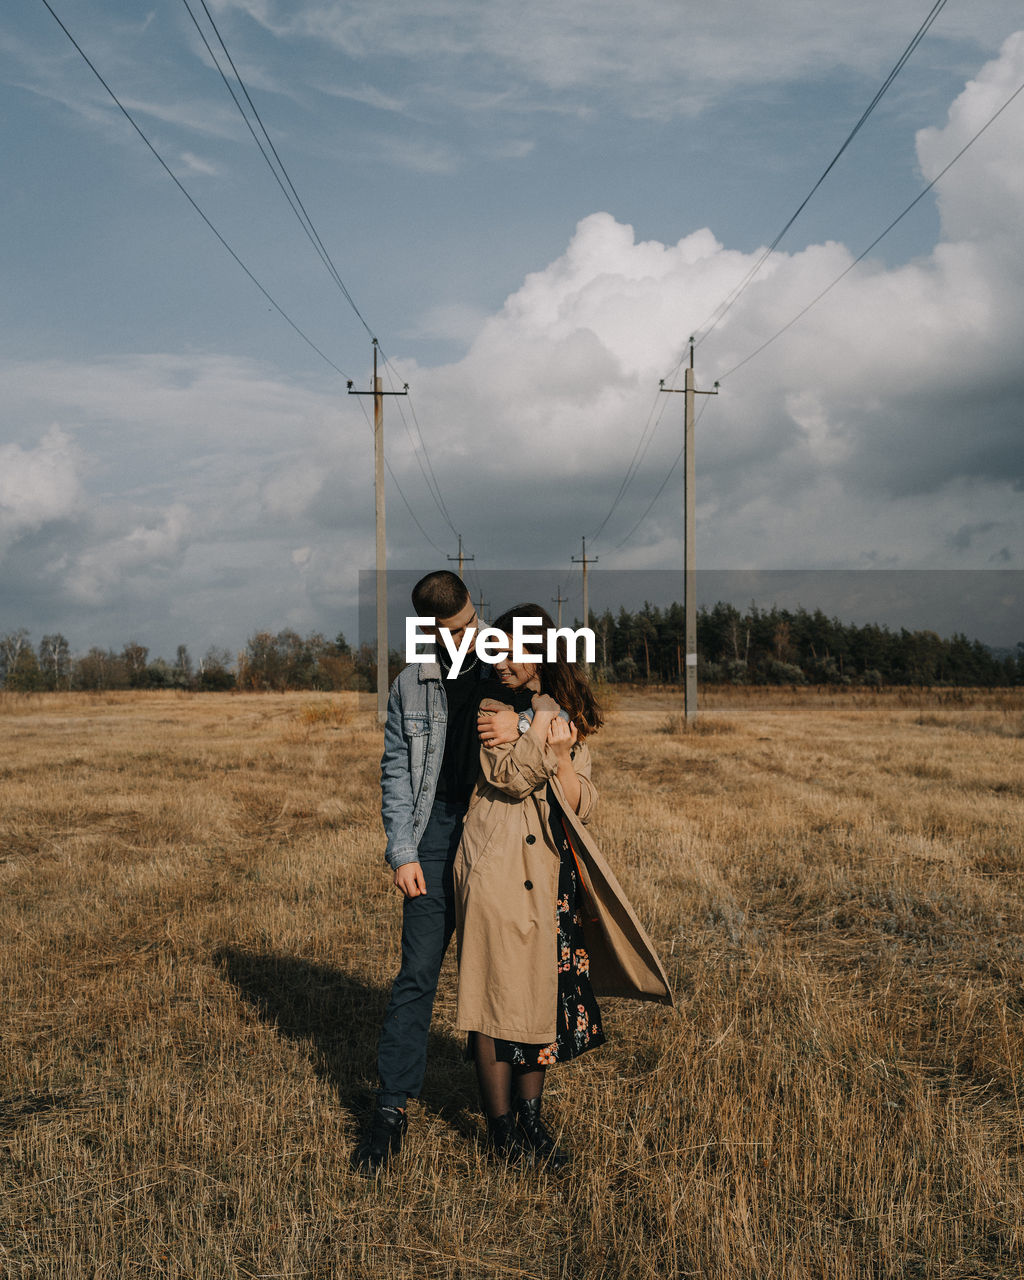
(460, 764)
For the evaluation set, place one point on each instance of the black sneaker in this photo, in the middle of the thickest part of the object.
(383, 1141)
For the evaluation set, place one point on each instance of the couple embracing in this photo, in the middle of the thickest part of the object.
(486, 792)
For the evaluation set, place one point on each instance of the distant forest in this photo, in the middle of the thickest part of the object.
(758, 646)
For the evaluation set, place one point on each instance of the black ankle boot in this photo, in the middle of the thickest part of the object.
(535, 1134)
(383, 1141)
(505, 1140)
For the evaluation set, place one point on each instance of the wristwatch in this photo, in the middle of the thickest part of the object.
(526, 718)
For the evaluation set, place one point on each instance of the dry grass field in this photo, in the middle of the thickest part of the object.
(198, 939)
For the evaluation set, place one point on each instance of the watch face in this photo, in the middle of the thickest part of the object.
(524, 724)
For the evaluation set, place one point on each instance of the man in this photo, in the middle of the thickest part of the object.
(429, 766)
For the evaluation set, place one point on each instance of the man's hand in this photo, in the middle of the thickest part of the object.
(409, 878)
(497, 727)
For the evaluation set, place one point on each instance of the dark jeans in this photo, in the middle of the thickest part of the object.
(428, 923)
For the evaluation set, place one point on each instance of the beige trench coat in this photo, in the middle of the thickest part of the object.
(506, 893)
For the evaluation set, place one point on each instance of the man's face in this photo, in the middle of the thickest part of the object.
(465, 620)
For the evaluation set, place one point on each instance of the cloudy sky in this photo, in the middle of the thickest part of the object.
(533, 207)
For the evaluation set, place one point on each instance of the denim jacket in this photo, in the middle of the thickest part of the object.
(414, 734)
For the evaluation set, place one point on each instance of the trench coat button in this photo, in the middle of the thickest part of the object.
(527, 884)
(531, 839)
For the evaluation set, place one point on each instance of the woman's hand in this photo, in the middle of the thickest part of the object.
(545, 705)
(562, 736)
(545, 709)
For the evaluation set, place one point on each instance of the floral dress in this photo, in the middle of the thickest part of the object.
(579, 1018)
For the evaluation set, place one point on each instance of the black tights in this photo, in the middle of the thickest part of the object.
(495, 1078)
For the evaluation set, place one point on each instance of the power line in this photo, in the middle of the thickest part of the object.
(712, 321)
(177, 182)
(401, 491)
(438, 498)
(408, 432)
(428, 473)
(181, 187)
(195, 205)
(479, 583)
(639, 453)
(288, 189)
(294, 199)
(716, 316)
(661, 488)
(248, 123)
(306, 222)
(574, 576)
(401, 494)
(877, 240)
(726, 305)
(297, 206)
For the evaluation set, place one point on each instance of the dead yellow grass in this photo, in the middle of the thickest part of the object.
(199, 939)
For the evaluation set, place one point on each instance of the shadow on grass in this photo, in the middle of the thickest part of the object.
(340, 1017)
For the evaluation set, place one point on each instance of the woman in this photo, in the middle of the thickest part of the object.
(542, 924)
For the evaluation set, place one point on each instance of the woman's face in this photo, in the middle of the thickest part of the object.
(517, 675)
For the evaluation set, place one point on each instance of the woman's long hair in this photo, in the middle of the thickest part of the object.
(567, 682)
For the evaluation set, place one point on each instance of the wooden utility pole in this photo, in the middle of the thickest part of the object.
(559, 600)
(378, 394)
(584, 562)
(689, 538)
(481, 605)
(460, 557)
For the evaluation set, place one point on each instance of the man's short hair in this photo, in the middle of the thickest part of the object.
(441, 594)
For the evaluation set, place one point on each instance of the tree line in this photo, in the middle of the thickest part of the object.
(757, 646)
(51, 665)
(269, 661)
(783, 646)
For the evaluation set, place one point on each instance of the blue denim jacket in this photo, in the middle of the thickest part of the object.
(414, 734)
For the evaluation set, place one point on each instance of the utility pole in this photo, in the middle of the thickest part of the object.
(460, 557)
(559, 600)
(378, 394)
(584, 562)
(689, 390)
(481, 605)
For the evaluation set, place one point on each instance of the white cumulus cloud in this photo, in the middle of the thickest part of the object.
(873, 430)
(38, 485)
(986, 199)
